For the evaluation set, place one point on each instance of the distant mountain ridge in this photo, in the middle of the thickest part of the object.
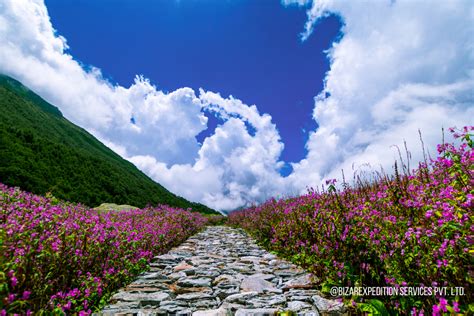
(41, 151)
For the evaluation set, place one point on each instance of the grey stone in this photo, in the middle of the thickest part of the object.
(182, 266)
(301, 282)
(240, 267)
(233, 307)
(256, 312)
(325, 305)
(177, 275)
(224, 278)
(212, 272)
(296, 306)
(275, 262)
(154, 276)
(213, 312)
(149, 297)
(264, 276)
(167, 257)
(123, 305)
(173, 303)
(308, 313)
(269, 256)
(148, 287)
(194, 282)
(186, 290)
(241, 298)
(250, 259)
(303, 298)
(193, 296)
(206, 304)
(288, 272)
(223, 293)
(173, 306)
(201, 261)
(258, 285)
(268, 301)
(277, 300)
(173, 309)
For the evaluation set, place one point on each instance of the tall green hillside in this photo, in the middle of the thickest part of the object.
(41, 151)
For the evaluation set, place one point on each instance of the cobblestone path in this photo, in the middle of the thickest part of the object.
(221, 271)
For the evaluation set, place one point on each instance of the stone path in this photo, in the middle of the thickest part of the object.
(221, 271)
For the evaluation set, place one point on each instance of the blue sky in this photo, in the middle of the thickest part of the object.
(358, 89)
(249, 49)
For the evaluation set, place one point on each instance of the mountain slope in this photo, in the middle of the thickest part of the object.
(41, 151)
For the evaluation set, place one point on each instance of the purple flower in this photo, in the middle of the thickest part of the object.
(67, 306)
(13, 281)
(442, 304)
(456, 306)
(11, 298)
(331, 181)
(26, 295)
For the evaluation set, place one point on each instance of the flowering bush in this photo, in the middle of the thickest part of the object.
(63, 257)
(414, 229)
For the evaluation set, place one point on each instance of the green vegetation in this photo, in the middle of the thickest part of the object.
(41, 151)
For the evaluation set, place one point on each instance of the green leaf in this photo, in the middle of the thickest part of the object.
(368, 308)
(379, 306)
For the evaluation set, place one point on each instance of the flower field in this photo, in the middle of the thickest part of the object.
(62, 257)
(412, 229)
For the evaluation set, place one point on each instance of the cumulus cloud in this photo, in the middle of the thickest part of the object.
(233, 167)
(155, 130)
(399, 67)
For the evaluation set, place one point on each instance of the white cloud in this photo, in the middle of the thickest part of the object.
(400, 66)
(233, 167)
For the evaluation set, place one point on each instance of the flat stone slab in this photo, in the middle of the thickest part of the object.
(188, 282)
(256, 312)
(301, 282)
(258, 285)
(218, 272)
(140, 296)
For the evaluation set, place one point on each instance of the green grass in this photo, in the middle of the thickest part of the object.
(106, 207)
